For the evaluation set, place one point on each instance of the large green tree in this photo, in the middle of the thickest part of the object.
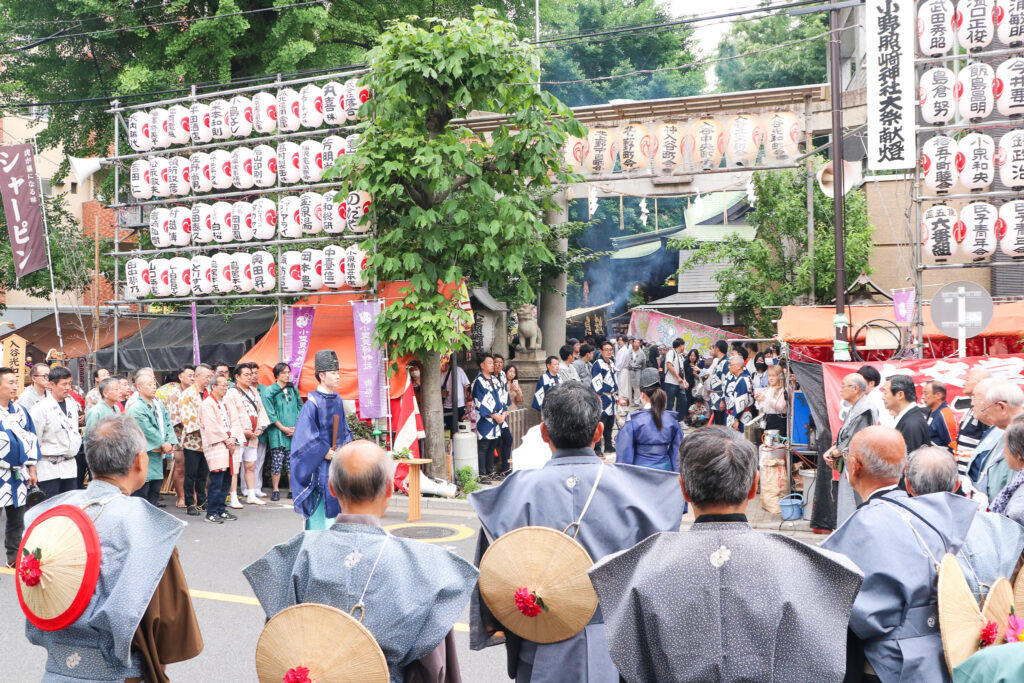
(775, 269)
(800, 64)
(451, 203)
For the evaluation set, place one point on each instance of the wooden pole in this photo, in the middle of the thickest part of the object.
(96, 291)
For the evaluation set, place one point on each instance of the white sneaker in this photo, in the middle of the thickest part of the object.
(261, 494)
(253, 500)
(233, 503)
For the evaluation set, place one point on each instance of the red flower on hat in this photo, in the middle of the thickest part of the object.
(28, 569)
(529, 603)
(298, 674)
(989, 634)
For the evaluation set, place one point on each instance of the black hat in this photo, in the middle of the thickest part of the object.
(326, 361)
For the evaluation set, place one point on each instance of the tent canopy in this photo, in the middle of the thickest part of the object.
(77, 332)
(812, 326)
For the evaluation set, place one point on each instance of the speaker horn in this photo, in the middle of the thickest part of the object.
(83, 168)
(852, 177)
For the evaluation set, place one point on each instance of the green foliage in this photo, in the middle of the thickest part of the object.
(800, 64)
(467, 480)
(774, 269)
(359, 429)
(450, 204)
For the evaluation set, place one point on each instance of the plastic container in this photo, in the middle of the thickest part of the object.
(465, 448)
(792, 507)
(808, 478)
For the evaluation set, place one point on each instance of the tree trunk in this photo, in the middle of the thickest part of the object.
(433, 413)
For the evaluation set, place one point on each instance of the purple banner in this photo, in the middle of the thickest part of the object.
(369, 365)
(298, 327)
(903, 306)
(195, 337)
(19, 187)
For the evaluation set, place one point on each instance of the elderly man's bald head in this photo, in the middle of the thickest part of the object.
(974, 375)
(881, 451)
(361, 472)
(930, 469)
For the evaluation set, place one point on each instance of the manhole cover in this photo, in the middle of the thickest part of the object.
(425, 531)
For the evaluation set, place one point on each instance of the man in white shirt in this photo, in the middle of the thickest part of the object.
(675, 383)
(36, 392)
(874, 394)
(56, 421)
(622, 354)
(448, 388)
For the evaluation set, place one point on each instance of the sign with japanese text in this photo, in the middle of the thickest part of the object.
(19, 186)
(369, 360)
(15, 347)
(298, 327)
(891, 95)
(659, 328)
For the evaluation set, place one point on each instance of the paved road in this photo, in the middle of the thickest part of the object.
(229, 616)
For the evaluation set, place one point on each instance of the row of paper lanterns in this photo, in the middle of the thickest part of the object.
(974, 23)
(334, 266)
(970, 163)
(974, 231)
(262, 219)
(701, 143)
(286, 111)
(973, 93)
(241, 168)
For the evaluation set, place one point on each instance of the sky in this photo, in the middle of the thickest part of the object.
(709, 34)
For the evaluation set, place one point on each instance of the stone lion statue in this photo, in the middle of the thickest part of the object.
(529, 330)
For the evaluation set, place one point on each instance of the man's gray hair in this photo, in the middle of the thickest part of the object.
(571, 411)
(365, 486)
(112, 444)
(904, 383)
(858, 381)
(108, 384)
(1005, 390)
(1014, 437)
(717, 465)
(875, 464)
(931, 469)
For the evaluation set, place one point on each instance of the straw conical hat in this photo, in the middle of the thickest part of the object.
(334, 647)
(64, 543)
(998, 604)
(551, 565)
(960, 620)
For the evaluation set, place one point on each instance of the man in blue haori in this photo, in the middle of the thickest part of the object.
(320, 430)
(491, 403)
(547, 381)
(602, 379)
(624, 505)
(19, 453)
(408, 594)
(739, 399)
(716, 381)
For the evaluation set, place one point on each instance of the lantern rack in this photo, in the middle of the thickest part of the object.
(973, 56)
(212, 197)
(254, 295)
(220, 246)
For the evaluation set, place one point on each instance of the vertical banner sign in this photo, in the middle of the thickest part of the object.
(14, 357)
(903, 306)
(368, 359)
(298, 327)
(19, 187)
(891, 95)
(195, 337)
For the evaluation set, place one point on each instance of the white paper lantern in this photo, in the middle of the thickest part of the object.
(334, 211)
(241, 272)
(288, 162)
(1008, 85)
(240, 115)
(290, 270)
(312, 269)
(159, 228)
(178, 125)
(311, 161)
(574, 152)
(241, 168)
(939, 164)
(359, 203)
(202, 223)
(600, 150)
(936, 95)
(220, 169)
(333, 149)
(355, 266)
(311, 213)
(221, 222)
(744, 140)
(311, 106)
(158, 177)
(334, 266)
(355, 96)
(202, 275)
(180, 276)
(1010, 22)
(782, 133)
(241, 222)
(221, 268)
(136, 275)
(179, 226)
(1010, 159)
(935, 27)
(160, 277)
(139, 131)
(287, 110)
(979, 219)
(974, 91)
(199, 123)
(634, 146)
(938, 223)
(264, 166)
(669, 140)
(158, 128)
(1010, 229)
(264, 219)
(334, 103)
(352, 143)
(975, 24)
(263, 273)
(288, 224)
(178, 176)
(220, 119)
(705, 143)
(978, 152)
(199, 173)
(139, 180)
(264, 111)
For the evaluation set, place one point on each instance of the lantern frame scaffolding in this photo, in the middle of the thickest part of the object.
(118, 161)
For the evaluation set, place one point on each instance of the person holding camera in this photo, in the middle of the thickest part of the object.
(19, 453)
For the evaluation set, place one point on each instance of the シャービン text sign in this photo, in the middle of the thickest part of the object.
(891, 95)
(19, 187)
